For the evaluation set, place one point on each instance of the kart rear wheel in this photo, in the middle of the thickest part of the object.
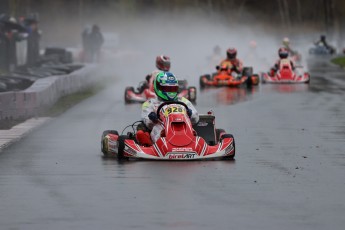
(201, 80)
(229, 136)
(192, 94)
(263, 81)
(308, 82)
(219, 133)
(182, 84)
(120, 152)
(126, 97)
(256, 79)
(104, 145)
(247, 71)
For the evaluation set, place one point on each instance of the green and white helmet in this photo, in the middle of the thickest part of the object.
(166, 86)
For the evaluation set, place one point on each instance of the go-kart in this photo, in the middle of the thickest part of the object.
(286, 74)
(321, 50)
(228, 76)
(180, 140)
(145, 91)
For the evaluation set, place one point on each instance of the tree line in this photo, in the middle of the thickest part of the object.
(328, 15)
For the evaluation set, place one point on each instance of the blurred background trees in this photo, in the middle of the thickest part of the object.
(326, 16)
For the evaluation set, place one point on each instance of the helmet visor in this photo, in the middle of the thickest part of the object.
(283, 54)
(168, 88)
(165, 66)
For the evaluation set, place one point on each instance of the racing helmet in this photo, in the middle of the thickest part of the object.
(283, 53)
(286, 41)
(163, 63)
(165, 86)
(231, 53)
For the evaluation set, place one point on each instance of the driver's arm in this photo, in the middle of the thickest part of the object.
(195, 116)
(146, 109)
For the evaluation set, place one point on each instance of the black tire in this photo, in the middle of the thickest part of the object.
(263, 79)
(247, 71)
(182, 84)
(127, 100)
(121, 141)
(257, 78)
(103, 144)
(233, 155)
(192, 94)
(207, 77)
(202, 84)
(218, 133)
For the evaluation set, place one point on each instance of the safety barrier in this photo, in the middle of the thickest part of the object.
(44, 92)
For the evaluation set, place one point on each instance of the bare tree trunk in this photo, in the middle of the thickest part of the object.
(81, 12)
(281, 11)
(240, 11)
(299, 11)
(335, 23)
(13, 7)
(287, 14)
(327, 15)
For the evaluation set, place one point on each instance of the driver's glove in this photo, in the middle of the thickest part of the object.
(189, 112)
(153, 117)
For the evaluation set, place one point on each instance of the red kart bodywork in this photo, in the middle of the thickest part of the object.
(286, 74)
(132, 96)
(178, 141)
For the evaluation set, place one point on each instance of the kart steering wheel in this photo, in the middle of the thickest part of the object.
(169, 103)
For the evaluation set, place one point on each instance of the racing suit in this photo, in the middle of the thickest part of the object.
(152, 105)
(236, 64)
(291, 51)
(149, 81)
(276, 66)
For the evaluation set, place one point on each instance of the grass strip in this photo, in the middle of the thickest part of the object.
(339, 61)
(68, 101)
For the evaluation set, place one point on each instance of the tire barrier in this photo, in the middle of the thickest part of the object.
(44, 92)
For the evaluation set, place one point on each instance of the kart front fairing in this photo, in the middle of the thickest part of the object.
(178, 140)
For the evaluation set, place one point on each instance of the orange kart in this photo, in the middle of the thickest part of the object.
(227, 76)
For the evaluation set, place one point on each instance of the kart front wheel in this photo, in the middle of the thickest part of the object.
(126, 97)
(192, 93)
(120, 153)
(104, 144)
(231, 157)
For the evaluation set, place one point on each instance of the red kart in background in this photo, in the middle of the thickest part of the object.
(227, 76)
(286, 74)
(145, 91)
(179, 139)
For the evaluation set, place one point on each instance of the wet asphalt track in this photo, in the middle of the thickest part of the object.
(288, 174)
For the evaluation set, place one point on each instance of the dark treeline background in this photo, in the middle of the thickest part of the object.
(326, 16)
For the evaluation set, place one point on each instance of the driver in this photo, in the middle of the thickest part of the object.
(286, 45)
(283, 55)
(232, 61)
(165, 87)
(162, 64)
(323, 42)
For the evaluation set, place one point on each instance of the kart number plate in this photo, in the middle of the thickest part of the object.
(173, 109)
